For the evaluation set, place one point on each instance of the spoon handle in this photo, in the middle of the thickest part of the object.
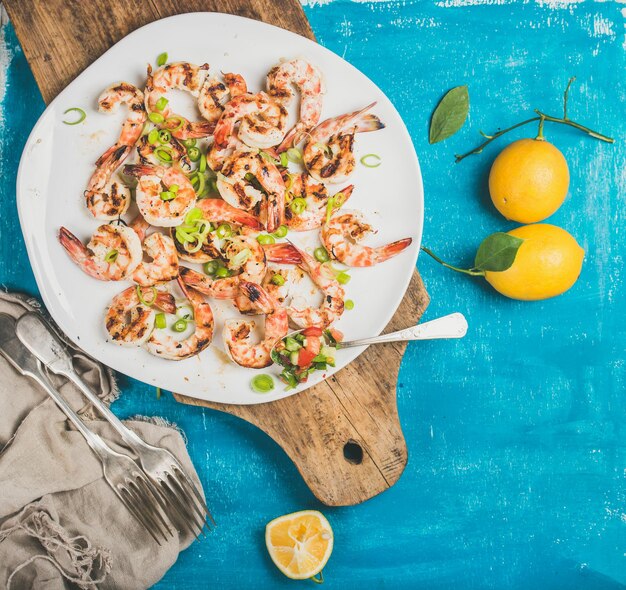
(453, 325)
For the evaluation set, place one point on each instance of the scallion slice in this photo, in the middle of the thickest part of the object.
(262, 383)
(281, 232)
(111, 256)
(161, 103)
(265, 239)
(371, 160)
(159, 321)
(82, 115)
(163, 154)
(343, 278)
(284, 160)
(194, 214)
(142, 299)
(202, 164)
(321, 254)
(153, 136)
(298, 205)
(349, 304)
(294, 155)
(162, 59)
(278, 280)
(156, 118)
(174, 123)
(240, 258)
(167, 196)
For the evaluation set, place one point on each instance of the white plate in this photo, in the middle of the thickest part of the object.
(58, 161)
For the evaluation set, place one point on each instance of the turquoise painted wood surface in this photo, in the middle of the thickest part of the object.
(516, 477)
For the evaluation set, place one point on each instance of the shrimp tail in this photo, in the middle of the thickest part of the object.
(282, 253)
(369, 122)
(165, 302)
(390, 250)
(195, 130)
(257, 296)
(139, 170)
(73, 246)
(115, 154)
(346, 192)
(191, 278)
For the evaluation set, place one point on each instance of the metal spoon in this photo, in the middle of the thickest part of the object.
(453, 325)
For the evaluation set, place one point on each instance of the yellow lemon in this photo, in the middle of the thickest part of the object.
(528, 180)
(299, 543)
(547, 264)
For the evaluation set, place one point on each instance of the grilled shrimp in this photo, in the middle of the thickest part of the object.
(329, 151)
(106, 196)
(178, 76)
(214, 95)
(278, 292)
(244, 256)
(308, 80)
(316, 195)
(261, 125)
(112, 254)
(332, 305)
(162, 250)
(236, 333)
(155, 210)
(130, 322)
(342, 233)
(163, 345)
(176, 151)
(235, 186)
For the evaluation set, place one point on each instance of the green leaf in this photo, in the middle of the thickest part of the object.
(449, 115)
(497, 252)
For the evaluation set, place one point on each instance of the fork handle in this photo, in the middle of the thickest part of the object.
(128, 436)
(98, 446)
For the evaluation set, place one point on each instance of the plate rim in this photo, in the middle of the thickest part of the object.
(43, 283)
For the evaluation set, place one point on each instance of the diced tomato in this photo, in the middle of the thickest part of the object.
(306, 356)
(312, 331)
(336, 334)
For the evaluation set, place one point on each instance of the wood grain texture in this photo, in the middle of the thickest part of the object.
(357, 406)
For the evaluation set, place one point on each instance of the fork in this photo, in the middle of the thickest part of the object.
(177, 491)
(121, 473)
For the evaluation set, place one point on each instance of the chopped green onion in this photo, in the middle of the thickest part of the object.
(82, 115)
(284, 160)
(162, 59)
(329, 208)
(298, 205)
(174, 188)
(224, 231)
(167, 196)
(291, 344)
(240, 258)
(185, 312)
(194, 249)
(111, 256)
(222, 272)
(202, 164)
(194, 214)
(211, 267)
(268, 157)
(343, 278)
(179, 121)
(160, 321)
(165, 136)
(163, 154)
(281, 232)
(153, 136)
(321, 254)
(161, 103)
(349, 304)
(179, 325)
(262, 384)
(198, 182)
(193, 153)
(141, 298)
(371, 164)
(265, 239)
(278, 280)
(189, 142)
(294, 155)
(184, 237)
(156, 118)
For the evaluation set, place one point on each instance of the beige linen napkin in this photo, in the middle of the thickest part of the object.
(61, 526)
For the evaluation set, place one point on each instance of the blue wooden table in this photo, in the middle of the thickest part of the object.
(517, 470)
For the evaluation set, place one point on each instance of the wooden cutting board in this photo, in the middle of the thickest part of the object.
(343, 435)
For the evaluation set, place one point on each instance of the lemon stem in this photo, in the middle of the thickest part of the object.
(541, 117)
(316, 579)
(474, 272)
(540, 136)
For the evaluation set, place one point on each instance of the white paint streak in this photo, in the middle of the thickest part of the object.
(5, 59)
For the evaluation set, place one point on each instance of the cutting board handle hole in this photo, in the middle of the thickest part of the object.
(353, 452)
